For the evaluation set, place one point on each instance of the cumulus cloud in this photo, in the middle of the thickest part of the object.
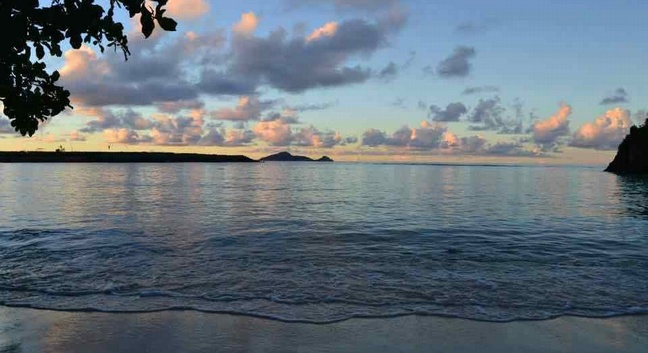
(98, 81)
(428, 136)
(299, 64)
(227, 138)
(287, 116)
(480, 89)
(312, 137)
(434, 137)
(124, 136)
(457, 64)
(156, 72)
(606, 132)
(274, 132)
(110, 119)
(176, 131)
(452, 112)
(619, 96)
(546, 133)
(247, 25)
(248, 108)
(187, 9)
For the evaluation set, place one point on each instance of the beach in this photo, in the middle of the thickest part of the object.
(29, 330)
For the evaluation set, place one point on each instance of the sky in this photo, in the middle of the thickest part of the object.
(465, 81)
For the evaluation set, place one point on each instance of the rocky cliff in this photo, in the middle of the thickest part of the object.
(632, 157)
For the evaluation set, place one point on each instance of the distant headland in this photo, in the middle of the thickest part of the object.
(141, 157)
(632, 157)
(287, 157)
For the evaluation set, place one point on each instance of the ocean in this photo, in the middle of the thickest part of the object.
(322, 243)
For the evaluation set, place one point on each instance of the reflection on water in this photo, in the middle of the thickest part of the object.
(633, 193)
(322, 243)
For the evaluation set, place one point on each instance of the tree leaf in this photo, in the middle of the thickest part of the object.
(40, 52)
(76, 41)
(147, 23)
(168, 24)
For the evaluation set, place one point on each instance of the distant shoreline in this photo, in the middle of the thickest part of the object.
(119, 157)
(145, 157)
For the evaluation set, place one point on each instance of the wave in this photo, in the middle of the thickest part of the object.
(322, 311)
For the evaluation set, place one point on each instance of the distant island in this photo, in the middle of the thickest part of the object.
(632, 157)
(118, 157)
(142, 157)
(287, 157)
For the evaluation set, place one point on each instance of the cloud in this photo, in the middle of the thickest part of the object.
(434, 137)
(247, 25)
(546, 133)
(488, 112)
(296, 64)
(176, 131)
(5, 126)
(606, 132)
(373, 138)
(178, 106)
(109, 119)
(457, 64)
(76, 136)
(156, 72)
(314, 107)
(428, 136)
(223, 83)
(480, 89)
(328, 30)
(451, 113)
(227, 138)
(124, 136)
(187, 9)
(620, 96)
(97, 81)
(287, 116)
(389, 73)
(248, 108)
(274, 132)
(312, 137)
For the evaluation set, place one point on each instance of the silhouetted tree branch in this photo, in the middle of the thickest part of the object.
(29, 32)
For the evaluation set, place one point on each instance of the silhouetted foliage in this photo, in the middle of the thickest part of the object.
(29, 32)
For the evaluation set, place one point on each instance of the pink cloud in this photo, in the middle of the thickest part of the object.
(187, 9)
(247, 25)
(606, 132)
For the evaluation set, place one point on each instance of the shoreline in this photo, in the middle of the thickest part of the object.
(34, 330)
(120, 157)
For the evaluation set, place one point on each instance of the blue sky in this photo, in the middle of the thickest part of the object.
(538, 55)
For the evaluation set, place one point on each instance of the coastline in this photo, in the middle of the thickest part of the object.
(119, 157)
(31, 330)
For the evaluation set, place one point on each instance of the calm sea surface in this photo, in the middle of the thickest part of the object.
(324, 242)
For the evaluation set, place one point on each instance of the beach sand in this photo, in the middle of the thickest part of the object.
(28, 330)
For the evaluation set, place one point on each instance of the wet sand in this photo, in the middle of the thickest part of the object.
(28, 330)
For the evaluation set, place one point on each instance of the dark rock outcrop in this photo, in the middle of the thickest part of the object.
(287, 157)
(632, 157)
